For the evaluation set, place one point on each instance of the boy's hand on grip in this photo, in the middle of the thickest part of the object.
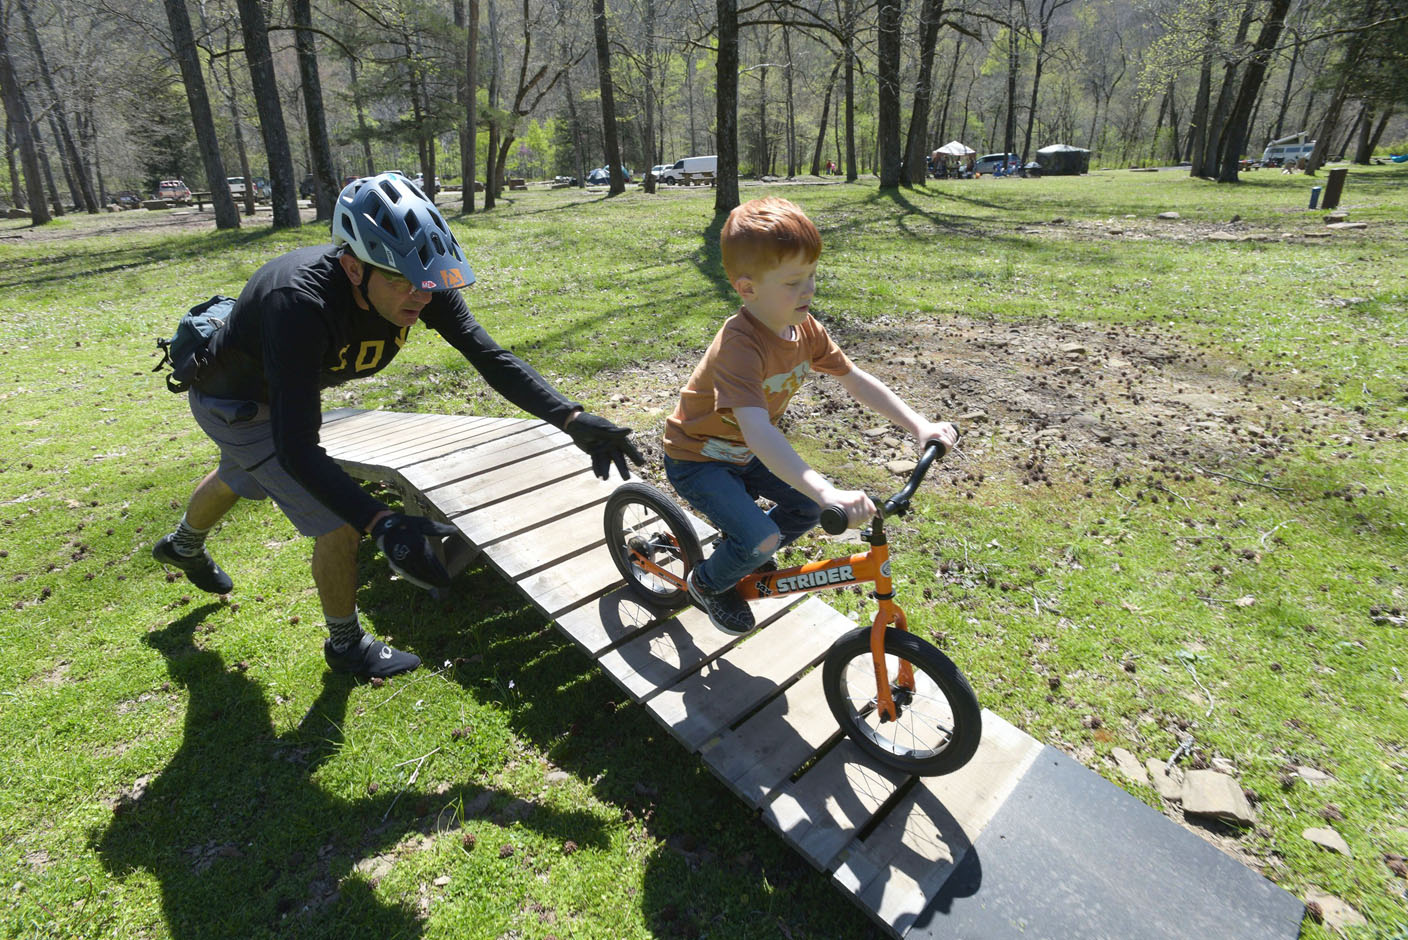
(605, 443)
(406, 542)
(938, 431)
(854, 503)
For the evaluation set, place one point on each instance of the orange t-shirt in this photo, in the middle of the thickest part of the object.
(747, 366)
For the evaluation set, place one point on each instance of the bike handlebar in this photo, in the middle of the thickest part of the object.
(833, 518)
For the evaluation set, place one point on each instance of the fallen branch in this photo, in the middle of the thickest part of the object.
(1228, 476)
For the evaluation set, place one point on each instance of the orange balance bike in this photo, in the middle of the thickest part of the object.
(894, 694)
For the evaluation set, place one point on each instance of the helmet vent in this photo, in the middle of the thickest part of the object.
(412, 223)
(424, 255)
(383, 219)
(348, 227)
(390, 191)
(439, 245)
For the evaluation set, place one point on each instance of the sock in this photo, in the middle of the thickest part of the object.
(344, 631)
(187, 539)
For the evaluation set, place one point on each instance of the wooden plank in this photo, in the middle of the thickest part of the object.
(372, 427)
(820, 813)
(697, 707)
(367, 450)
(571, 582)
(520, 513)
(547, 544)
(516, 479)
(355, 430)
(613, 618)
(532, 445)
(427, 440)
(674, 648)
(909, 855)
(758, 756)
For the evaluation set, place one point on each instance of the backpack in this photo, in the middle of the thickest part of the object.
(187, 352)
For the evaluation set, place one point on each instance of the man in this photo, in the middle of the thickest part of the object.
(320, 316)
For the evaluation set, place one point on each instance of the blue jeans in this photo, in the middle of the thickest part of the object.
(725, 494)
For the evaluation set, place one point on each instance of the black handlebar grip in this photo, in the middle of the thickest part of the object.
(833, 520)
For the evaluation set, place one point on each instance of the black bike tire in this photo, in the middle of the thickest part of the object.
(967, 713)
(672, 516)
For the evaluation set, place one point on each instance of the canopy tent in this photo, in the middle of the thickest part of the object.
(1063, 160)
(953, 149)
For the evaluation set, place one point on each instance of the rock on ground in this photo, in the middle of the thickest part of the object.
(1209, 793)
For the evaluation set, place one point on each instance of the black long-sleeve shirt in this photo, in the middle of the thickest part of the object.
(296, 329)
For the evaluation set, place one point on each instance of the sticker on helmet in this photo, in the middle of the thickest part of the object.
(453, 277)
(427, 285)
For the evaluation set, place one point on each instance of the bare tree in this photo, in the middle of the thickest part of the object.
(468, 92)
(75, 169)
(608, 97)
(17, 118)
(324, 186)
(271, 118)
(178, 18)
(726, 108)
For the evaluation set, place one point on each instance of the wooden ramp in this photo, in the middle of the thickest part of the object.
(1021, 841)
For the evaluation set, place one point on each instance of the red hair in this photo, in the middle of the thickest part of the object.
(760, 234)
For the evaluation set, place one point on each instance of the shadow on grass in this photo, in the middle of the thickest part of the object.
(241, 839)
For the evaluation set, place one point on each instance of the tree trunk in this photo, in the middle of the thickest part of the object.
(16, 116)
(466, 94)
(1286, 93)
(1009, 130)
(226, 215)
(75, 168)
(848, 45)
(887, 75)
(363, 132)
(648, 80)
(17, 193)
(1216, 141)
(791, 107)
(825, 114)
(1362, 152)
(916, 150)
(492, 184)
(1239, 123)
(232, 102)
(271, 115)
(726, 109)
(608, 97)
(320, 147)
(1198, 131)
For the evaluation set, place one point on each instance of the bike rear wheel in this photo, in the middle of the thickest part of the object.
(640, 518)
(939, 722)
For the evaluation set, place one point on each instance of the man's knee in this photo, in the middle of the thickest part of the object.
(769, 545)
(341, 541)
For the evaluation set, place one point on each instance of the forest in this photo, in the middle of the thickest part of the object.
(109, 97)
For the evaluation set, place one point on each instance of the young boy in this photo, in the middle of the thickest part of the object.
(722, 446)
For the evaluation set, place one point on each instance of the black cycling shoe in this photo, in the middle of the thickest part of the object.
(369, 658)
(201, 570)
(726, 609)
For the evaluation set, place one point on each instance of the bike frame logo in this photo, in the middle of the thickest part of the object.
(825, 577)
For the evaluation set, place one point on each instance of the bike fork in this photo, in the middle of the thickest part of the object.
(890, 613)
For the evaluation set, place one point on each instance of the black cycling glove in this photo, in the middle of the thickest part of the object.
(605, 443)
(406, 542)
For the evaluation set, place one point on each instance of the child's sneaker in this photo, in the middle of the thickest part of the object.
(201, 570)
(369, 658)
(726, 609)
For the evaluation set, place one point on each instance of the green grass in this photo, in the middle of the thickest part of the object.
(175, 767)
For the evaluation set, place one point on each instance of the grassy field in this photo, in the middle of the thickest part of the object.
(1180, 511)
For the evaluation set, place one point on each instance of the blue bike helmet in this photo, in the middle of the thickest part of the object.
(388, 222)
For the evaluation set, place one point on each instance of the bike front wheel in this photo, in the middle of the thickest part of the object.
(643, 524)
(939, 721)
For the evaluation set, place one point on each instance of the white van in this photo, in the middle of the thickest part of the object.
(691, 169)
(1280, 154)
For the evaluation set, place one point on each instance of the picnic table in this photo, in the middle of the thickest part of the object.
(201, 199)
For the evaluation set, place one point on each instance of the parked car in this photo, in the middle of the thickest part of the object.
(236, 184)
(658, 169)
(683, 169)
(175, 190)
(419, 180)
(262, 188)
(994, 162)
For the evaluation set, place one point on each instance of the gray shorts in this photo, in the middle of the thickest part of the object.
(244, 434)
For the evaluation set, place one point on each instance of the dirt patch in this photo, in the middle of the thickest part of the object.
(175, 221)
(1045, 401)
